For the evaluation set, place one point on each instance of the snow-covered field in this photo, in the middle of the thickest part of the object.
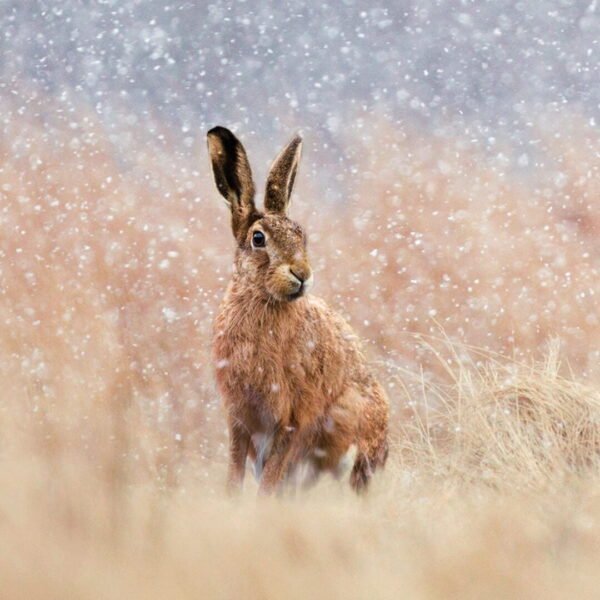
(450, 187)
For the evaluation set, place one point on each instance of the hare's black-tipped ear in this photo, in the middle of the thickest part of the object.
(232, 173)
(280, 181)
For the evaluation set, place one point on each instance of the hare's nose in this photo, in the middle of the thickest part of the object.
(298, 275)
(303, 277)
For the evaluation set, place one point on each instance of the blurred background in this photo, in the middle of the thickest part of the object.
(450, 187)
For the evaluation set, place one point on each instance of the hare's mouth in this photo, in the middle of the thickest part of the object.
(297, 294)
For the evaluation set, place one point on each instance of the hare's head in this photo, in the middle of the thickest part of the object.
(271, 247)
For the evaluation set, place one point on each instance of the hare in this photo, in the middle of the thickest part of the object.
(296, 387)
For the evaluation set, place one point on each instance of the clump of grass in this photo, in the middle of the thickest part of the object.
(499, 422)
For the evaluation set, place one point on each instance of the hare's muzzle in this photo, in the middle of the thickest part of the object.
(301, 279)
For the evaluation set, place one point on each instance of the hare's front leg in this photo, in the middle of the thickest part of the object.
(239, 441)
(284, 445)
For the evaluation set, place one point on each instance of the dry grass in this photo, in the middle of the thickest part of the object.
(493, 493)
(111, 436)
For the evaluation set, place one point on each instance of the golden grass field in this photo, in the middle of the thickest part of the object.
(475, 289)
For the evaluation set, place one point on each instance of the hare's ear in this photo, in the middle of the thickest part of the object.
(280, 181)
(232, 173)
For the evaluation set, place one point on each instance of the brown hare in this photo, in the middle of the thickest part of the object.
(296, 386)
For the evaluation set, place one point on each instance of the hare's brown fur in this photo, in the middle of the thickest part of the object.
(295, 383)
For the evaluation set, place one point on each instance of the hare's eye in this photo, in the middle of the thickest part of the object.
(258, 239)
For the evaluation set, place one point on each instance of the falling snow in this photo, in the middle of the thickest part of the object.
(449, 182)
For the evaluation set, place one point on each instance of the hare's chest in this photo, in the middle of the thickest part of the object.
(267, 368)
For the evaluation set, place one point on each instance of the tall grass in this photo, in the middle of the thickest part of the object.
(491, 491)
(475, 289)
